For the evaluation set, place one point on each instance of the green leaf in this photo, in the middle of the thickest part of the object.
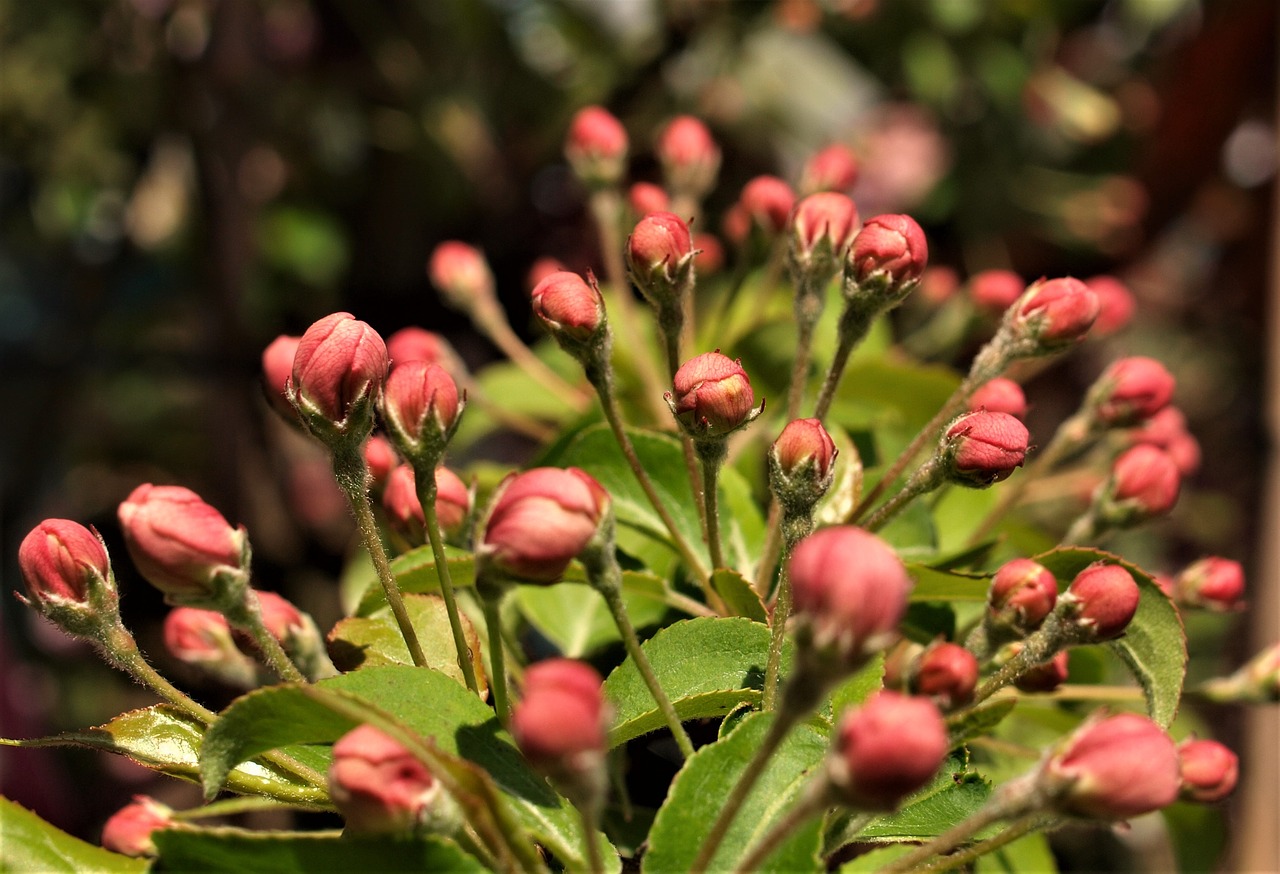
(576, 619)
(868, 680)
(31, 844)
(739, 595)
(415, 572)
(168, 741)
(707, 666)
(741, 523)
(1028, 853)
(1154, 646)
(358, 642)
(706, 780)
(275, 853)
(932, 584)
(979, 720)
(879, 392)
(876, 859)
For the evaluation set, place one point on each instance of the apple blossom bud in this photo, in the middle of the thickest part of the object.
(1164, 583)
(1056, 312)
(380, 458)
(571, 309)
(1208, 769)
(1167, 429)
(1022, 594)
(540, 270)
(1144, 483)
(822, 229)
(1113, 768)
(420, 407)
(1116, 305)
(804, 442)
(979, 449)
(61, 562)
(889, 252)
(277, 367)
(378, 786)
(280, 617)
(708, 254)
(196, 636)
(1131, 390)
(596, 146)
(338, 372)
(560, 725)
(1212, 583)
(418, 344)
(129, 829)
(404, 512)
(461, 275)
(689, 156)
(645, 198)
(850, 590)
(938, 284)
(834, 168)
(539, 521)
(994, 291)
(1000, 395)
(1262, 674)
(736, 225)
(768, 202)
(885, 750)
(947, 674)
(1046, 676)
(1101, 600)
(179, 543)
(660, 255)
(712, 394)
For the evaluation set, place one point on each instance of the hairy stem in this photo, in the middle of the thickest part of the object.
(497, 662)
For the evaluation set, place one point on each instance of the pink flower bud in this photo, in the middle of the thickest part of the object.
(540, 270)
(826, 223)
(1103, 599)
(340, 363)
(420, 405)
(659, 246)
(277, 367)
(712, 393)
(1208, 769)
(1167, 429)
(984, 448)
(1000, 395)
(768, 201)
(404, 512)
(1046, 676)
(851, 588)
(596, 146)
(60, 560)
(1022, 594)
(282, 619)
(887, 749)
(834, 168)
(569, 307)
(736, 224)
(1114, 768)
(689, 156)
(540, 520)
(1116, 305)
(461, 274)
(377, 785)
(1164, 583)
(1146, 481)
(1131, 390)
(418, 344)
(937, 284)
(892, 247)
(129, 829)
(708, 254)
(803, 442)
(1058, 311)
(646, 198)
(196, 636)
(994, 291)
(381, 459)
(178, 542)
(560, 723)
(1212, 583)
(946, 673)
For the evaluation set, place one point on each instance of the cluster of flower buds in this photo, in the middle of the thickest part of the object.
(560, 727)
(946, 673)
(1022, 595)
(1049, 316)
(338, 372)
(660, 257)
(203, 640)
(596, 147)
(885, 750)
(1212, 583)
(1144, 483)
(887, 258)
(379, 786)
(130, 829)
(712, 397)
(404, 510)
(68, 576)
(1167, 430)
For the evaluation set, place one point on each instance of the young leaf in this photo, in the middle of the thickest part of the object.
(31, 844)
(739, 595)
(574, 617)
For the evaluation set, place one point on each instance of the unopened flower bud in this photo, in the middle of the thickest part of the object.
(708, 254)
(277, 367)
(994, 291)
(938, 284)
(596, 146)
(979, 449)
(404, 511)
(560, 725)
(379, 787)
(660, 255)
(1211, 583)
(712, 395)
(834, 168)
(540, 269)
(1101, 600)
(280, 616)
(1144, 483)
(1022, 594)
(1113, 768)
(768, 202)
(946, 673)
(420, 407)
(196, 636)
(179, 543)
(804, 443)
(62, 562)
(1255, 682)
(1116, 305)
(1131, 390)
(1167, 429)
(885, 750)
(822, 229)
(461, 275)
(418, 344)
(570, 308)
(889, 254)
(736, 225)
(338, 372)
(1000, 395)
(539, 521)
(689, 156)
(1056, 312)
(380, 458)
(1046, 676)
(129, 829)
(1208, 769)
(645, 198)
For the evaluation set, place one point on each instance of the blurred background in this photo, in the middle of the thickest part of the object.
(183, 180)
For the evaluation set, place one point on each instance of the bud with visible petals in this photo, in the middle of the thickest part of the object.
(1167, 429)
(539, 521)
(885, 750)
(1023, 593)
(1130, 390)
(1144, 483)
(1116, 305)
(712, 396)
(888, 256)
(1113, 768)
(68, 577)
(645, 198)
(203, 639)
(834, 168)
(1000, 395)
(1101, 601)
(379, 787)
(1208, 769)
(129, 829)
(768, 202)
(418, 344)
(994, 291)
(660, 255)
(404, 511)
(946, 673)
(420, 406)
(801, 466)
(689, 156)
(979, 449)
(280, 617)
(822, 229)
(570, 308)
(462, 276)
(1055, 313)
(708, 254)
(1044, 677)
(338, 372)
(560, 726)
(380, 458)
(1212, 583)
(596, 146)
(277, 368)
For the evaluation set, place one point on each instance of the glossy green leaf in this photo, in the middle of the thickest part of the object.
(275, 853)
(739, 595)
(707, 666)
(415, 572)
(28, 843)
(977, 721)
(932, 584)
(875, 392)
(868, 680)
(576, 619)
(1154, 646)
(953, 795)
(875, 859)
(705, 781)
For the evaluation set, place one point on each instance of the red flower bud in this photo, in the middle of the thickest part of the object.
(887, 749)
(178, 542)
(277, 367)
(560, 723)
(996, 290)
(1114, 768)
(540, 270)
(1167, 429)
(1146, 481)
(569, 307)
(851, 588)
(420, 404)
(1022, 594)
(659, 246)
(834, 168)
(596, 146)
(1058, 311)
(768, 201)
(1000, 395)
(826, 223)
(1208, 769)
(736, 224)
(377, 785)
(946, 673)
(689, 156)
(1130, 390)
(196, 636)
(461, 274)
(340, 362)
(803, 442)
(1103, 598)
(983, 448)
(282, 619)
(708, 254)
(937, 284)
(712, 393)
(892, 247)
(1212, 583)
(129, 829)
(60, 560)
(540, 520)
(381, 459)
(418, 344)
(1046, 676)
(645, 198)
(1116, 304)
(404, 511)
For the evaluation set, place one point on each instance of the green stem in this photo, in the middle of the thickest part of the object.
(996, 810)
(426, 482)
(233, 806)
(352, 474)
(587, 815)
(812, 803)
(712, 454)
(855, 322)
(248, 618)
(769, 553)
(497, 662)
(925, 479)
(777, 634)
(686, 442)
(493, 322)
